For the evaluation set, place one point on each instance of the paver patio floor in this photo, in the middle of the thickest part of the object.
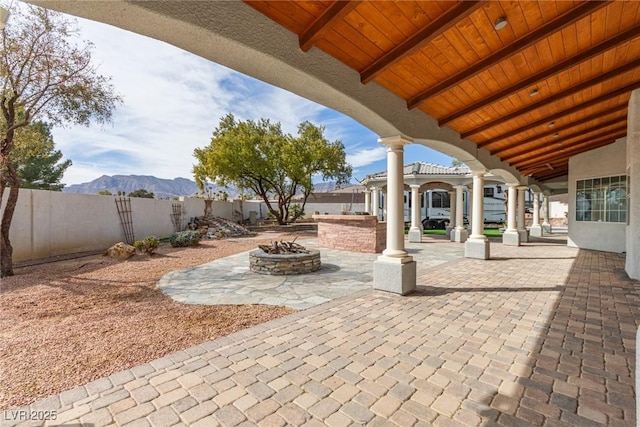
(540, 335)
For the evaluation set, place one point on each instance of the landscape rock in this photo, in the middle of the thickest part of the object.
(120, 251)
(211, 227)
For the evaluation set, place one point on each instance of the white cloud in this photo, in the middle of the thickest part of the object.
(173, 101)
(366, 156)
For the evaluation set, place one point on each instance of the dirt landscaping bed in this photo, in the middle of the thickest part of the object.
(68, 322)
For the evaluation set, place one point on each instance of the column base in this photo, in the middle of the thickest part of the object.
(524, 236)
(448, 231)
(460, 235)
(477, 248)
(546, 228)
(511, 238)
(535, 231)
(395, 275)
(415, 235)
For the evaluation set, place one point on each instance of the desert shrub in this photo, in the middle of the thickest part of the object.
(185, 238)
(149, 244)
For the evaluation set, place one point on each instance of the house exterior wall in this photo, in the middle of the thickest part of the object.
(632, 264)
(601, 236)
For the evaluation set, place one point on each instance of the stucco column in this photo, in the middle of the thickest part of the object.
(395, 271)
(546, 221)
(375, 206)
(459, 233)
(536, 229)
(383, 197)
(522, 228)
(511, 236)
(452, 215)
(420, 200)
(367, 200)
(470, 207)
(477, 245)
(415, 233)
(632, 263)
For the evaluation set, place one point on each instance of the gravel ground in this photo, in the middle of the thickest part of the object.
(68, 322)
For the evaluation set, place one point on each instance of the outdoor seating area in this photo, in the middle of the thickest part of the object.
(541, 334)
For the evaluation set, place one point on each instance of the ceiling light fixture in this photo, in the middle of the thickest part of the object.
(555, 135)
(501, 22)
(533, 92)
(552, 124)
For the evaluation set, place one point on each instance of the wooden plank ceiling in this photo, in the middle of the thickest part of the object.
(553, 82)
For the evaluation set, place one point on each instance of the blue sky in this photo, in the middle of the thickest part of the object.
(173, 100)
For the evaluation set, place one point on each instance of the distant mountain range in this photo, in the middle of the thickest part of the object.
(161, 188)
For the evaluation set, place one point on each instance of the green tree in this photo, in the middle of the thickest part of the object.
(35, 158)
(105, 192)
(45, 74)
(260, 157)
(142, 193)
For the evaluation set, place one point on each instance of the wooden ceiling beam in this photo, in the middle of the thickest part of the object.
(610, 135)
(598, 49)
(561, 152)
(596, 80)
(548, 120)
(555, 130)
(568, 151)
(325, 22)
(557, 173)
(447, 20)
(538, 34)
(537, 169)
(540, 144)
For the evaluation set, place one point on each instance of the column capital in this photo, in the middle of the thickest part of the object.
(397, 141)
(414, 186)
(522, 187)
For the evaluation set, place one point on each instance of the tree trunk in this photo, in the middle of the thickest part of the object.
(6, 250)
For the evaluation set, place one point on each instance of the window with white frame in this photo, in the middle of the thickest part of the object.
(602, 199)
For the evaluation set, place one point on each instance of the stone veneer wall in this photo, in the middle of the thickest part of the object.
(357, 233)
(284, 264)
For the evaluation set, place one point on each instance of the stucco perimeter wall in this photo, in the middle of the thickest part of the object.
(357, 233)
(48, 223)
(601, 236)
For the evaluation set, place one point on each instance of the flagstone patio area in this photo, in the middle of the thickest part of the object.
(229, 280)
(540, 335)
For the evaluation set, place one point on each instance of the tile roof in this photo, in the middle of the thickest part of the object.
(422, 168)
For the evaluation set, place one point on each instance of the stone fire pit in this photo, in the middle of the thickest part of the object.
(283, 259)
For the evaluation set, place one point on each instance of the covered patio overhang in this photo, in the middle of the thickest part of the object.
(515, 89)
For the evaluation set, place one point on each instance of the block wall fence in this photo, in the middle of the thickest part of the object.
(50, 223)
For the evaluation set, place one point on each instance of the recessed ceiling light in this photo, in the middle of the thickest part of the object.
(500, 23)
(552, 124)
(555, 135)
(533, 92)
